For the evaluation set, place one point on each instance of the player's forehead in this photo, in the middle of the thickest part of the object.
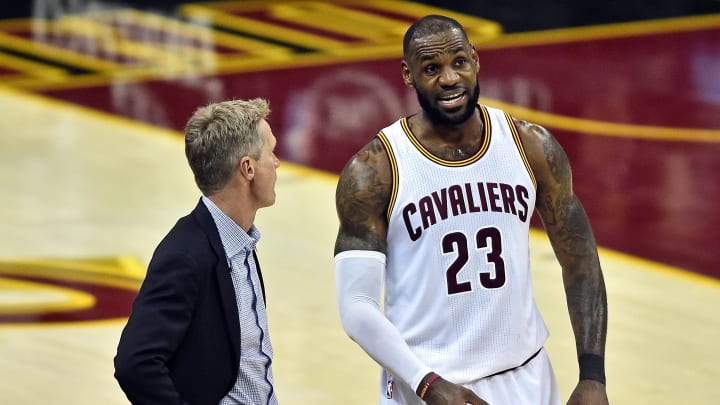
(449, 41)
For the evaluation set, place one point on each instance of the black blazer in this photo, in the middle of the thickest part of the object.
(181, 344)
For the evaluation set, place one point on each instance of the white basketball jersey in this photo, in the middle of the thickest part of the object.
(458, 284)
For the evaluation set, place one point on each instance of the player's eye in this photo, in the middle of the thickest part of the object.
(430, 69)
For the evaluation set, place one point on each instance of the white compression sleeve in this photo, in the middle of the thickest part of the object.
(359, 278)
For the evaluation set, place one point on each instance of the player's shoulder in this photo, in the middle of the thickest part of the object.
(375, 152)
(369, 165)
(536, 138)
(365, 184)
(530, 130)
(539, 144)
(370, 155)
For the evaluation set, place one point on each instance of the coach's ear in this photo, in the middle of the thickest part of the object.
(407, 74)
(246, 168)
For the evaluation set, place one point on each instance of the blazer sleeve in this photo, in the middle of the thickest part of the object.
(160, 317)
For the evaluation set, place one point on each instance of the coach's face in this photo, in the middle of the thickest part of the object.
(265, 174)
(443, 69)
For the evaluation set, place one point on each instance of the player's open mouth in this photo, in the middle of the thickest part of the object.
(452, 100)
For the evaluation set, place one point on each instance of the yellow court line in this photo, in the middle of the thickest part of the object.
(346, 54)
(300, 13)
(72, 300)
(476, 27)
(109, 40)
(661, 268)
(111, 280)
(602, 31)
(133, 125)
(111, 322)
(199, 12)
(66, 56)
(156, 59)
(337, 19)
(182, 29)
(375, 28)
(125, 266)
(143, 74)
(635, 262)
(29, 68)
(130, 263)
(594, 127)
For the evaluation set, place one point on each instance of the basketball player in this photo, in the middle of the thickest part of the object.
(436, 209)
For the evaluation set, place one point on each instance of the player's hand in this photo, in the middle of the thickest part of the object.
(443, 392)
(589, 392)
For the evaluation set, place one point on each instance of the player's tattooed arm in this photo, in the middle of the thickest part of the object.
(361, 198)
(571, 236)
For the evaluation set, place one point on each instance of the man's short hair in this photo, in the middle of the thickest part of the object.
(218, 135)
(430, 25)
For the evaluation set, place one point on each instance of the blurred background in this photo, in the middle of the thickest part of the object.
(95, 95)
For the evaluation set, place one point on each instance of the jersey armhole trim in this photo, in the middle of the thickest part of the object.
(521, 148)
(394, 168)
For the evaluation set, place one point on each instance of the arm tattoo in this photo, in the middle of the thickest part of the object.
(574, 244)
(563, 211)
(362, 198)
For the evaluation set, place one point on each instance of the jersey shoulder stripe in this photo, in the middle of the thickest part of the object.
(394, 168)
(521, 148)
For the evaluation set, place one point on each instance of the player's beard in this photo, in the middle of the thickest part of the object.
(439, 117)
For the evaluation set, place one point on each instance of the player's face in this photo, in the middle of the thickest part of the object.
(443, 70)
(266, 168)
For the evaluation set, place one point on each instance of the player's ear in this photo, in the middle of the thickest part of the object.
(406, 74)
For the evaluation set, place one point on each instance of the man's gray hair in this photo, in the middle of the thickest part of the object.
(218, 135)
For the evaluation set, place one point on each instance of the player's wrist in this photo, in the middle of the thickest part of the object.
(592, 367)
(425, 384)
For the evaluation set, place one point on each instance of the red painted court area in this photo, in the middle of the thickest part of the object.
(636, 107)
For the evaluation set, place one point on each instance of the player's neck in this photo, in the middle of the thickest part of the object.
(450, 142)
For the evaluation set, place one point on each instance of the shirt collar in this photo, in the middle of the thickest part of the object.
(234, 239)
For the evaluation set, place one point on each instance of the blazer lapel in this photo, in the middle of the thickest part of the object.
(222, 273)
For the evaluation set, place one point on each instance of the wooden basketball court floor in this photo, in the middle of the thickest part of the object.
(92, 192)
(88, 195)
